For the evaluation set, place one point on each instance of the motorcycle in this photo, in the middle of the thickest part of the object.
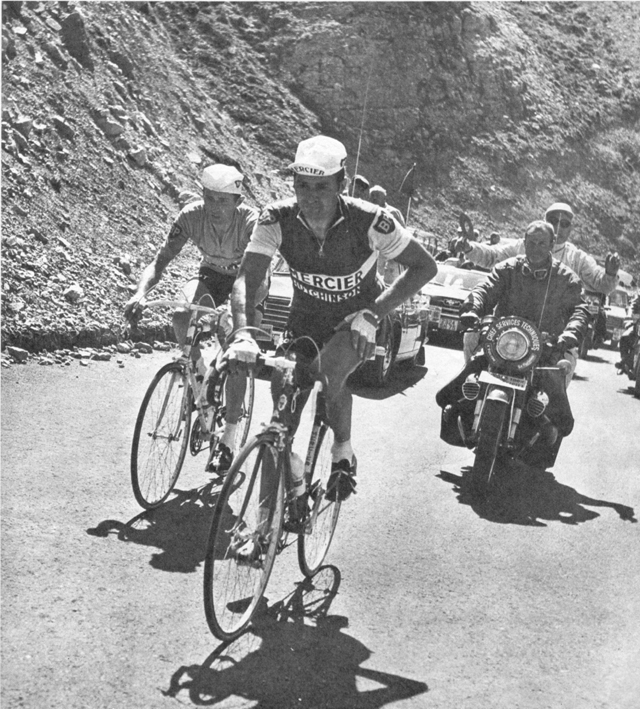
(596, 329)
(630, 343)
(509, 409)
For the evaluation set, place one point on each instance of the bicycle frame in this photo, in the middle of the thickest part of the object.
(196, 329)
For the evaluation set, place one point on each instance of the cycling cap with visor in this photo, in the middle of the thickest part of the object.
(222, 178)
(319, 156)
(559, 207)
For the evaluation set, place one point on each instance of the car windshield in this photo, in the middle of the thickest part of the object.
(619, 299)
(458, 277)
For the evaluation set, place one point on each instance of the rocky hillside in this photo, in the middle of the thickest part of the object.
(111, 110)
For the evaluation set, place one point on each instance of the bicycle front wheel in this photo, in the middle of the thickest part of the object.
(161, 436)
(314, 544)
(244, 537)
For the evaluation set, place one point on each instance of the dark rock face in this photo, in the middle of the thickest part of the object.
(75, 39)
(111, 110)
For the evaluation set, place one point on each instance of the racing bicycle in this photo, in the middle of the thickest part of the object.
(163, 429)
(258, 507)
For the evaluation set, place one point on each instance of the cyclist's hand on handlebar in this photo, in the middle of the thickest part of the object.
(243, 349)
(364, 325)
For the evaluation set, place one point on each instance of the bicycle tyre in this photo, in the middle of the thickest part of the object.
(492, 423)
(314, 544)
(161, 436)
(244, 422)
(233, 588)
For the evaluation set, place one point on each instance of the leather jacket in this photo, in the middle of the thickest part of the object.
(553, 302)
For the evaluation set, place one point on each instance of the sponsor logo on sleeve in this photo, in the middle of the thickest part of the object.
(384, 224)
(175, 233)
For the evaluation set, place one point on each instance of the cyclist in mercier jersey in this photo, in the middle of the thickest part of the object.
(331, 244)
(220, 226)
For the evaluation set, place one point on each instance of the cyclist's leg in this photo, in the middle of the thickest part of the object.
(338, 359)
(193, 291)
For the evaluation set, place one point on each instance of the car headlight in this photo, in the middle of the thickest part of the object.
(512, 345)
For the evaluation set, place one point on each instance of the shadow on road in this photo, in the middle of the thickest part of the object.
(527, 496)
(402, 378)
(179, 528)
(294, 655)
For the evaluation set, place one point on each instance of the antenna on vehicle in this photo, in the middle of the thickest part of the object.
(364, 109)
(407, 188)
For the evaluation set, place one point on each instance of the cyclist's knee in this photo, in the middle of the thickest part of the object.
(337, 361)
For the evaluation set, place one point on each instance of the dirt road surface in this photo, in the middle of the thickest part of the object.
(426, 601)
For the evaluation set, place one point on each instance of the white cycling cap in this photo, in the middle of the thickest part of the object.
(222, 178)
(559, 207)
(319, 156)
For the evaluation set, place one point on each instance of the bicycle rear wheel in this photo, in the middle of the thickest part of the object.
(161, 436)
(249, 513)
(314, 544)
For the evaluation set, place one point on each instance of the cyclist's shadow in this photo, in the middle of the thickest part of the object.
(178, 527)
(529, 496)
(295, 655)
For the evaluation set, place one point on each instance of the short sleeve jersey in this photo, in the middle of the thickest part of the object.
(221, 251)
(338, 277)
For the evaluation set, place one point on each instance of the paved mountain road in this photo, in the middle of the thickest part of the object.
(426, 602)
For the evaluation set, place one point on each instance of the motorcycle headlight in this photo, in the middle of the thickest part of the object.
(512, 345)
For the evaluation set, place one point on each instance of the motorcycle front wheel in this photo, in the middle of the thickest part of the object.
(492, 424)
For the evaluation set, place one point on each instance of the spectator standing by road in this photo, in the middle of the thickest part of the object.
(360, 187)
(378, 195)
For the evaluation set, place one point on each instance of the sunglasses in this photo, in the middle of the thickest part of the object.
(564, 223)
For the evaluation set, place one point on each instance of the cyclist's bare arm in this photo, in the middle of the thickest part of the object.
(150, 276)
(420, 268)
(251, 276)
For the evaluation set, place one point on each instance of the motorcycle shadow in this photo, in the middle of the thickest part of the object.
(531, 497)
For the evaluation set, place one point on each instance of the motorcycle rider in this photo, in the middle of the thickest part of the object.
(560, 216)
(538, 287)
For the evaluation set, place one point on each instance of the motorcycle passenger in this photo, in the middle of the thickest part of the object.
(331, 243)
(538, 287)
(220, 226)
(560, 216)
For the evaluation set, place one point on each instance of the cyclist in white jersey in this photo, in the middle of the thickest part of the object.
(220, 226)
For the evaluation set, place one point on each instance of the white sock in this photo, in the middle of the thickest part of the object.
(229, 435)
(341, 451)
